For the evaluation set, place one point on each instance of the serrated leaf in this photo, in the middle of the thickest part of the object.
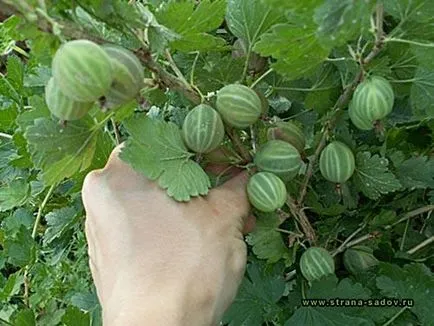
(413, 281)
(301, 54)
(15, 73)
(416, 19)
(12, 224)
(20, 248)
(339, 21)
(422, 93)
(216, 70)
(12, 286)
(25, 317)
(257, 297)
(86, 301)
(249, 19)
(424, 55)
(417, 172)
(318, 312)
(373, 177)
(58, 221)
(267, 242)
(312, 317)
(418, 10)
(7, 117)
(193, 23)
(296, 6)
(74, 317)
(38, 110)
(61, 152)
(14, 194)
(156, 149)
(38, 78)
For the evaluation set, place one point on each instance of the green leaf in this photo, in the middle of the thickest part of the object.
(25, 317)
(417, 172)
(7, 117)
(257, 297)
(14, 194)
(74, 317)
(21, 216)
(295, 6)
(61, 152)
(313, 317)
(249, 19)
(15, 73)
(422, 93)
(38, 77)
(372, 176)
(86, 301)
(413, 281)
(416, 19)
(20, 248)
(156, 149)
(341, 20)
(267, 242)
(192, 23)
(300, 56)
(424, 55)
(28, 117)
(12, 286)
(319, 311)
(58, 222)
(417, 10)
(215, 71)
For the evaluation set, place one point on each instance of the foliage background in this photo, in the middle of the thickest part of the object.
(306, 57)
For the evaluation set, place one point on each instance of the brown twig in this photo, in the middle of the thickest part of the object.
(74, 31)
(344, 99)
(301, 219)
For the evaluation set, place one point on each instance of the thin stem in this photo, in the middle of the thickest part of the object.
(401, 245)
(402, 81)
(20, 51)
(411, 214)
(175, 68)
(4, 135)
(337, 59)
(301, 219)
(41, 208)
(246, 64)
(253, 138)
(116, 131)
(421, 245)
(34, 231)
(5, 322)
(298, 235)
(265, 74)
(400, 40)
(361, 239)
(193, 68)
(394, 317)
(342, 247)
(298, 89)
(241, 149)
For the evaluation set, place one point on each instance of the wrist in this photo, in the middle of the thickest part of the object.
(168, 307)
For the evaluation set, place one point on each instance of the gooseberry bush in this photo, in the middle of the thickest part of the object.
(329, 106)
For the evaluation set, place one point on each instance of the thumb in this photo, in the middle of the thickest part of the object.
(234, 194)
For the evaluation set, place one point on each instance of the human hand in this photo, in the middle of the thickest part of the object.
(158, 261)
